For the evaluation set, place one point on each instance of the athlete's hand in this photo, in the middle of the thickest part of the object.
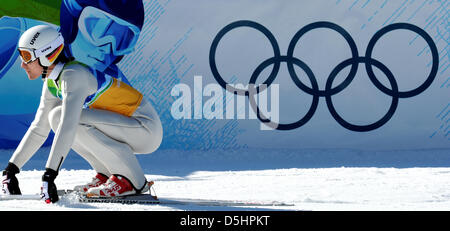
(48, 190)
(10, 184)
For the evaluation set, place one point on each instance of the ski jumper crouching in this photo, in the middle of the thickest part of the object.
(104, 120)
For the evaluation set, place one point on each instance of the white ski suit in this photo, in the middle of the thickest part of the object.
(107, 131)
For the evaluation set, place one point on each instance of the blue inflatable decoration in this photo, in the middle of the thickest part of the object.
(19, 97)
(98, 33)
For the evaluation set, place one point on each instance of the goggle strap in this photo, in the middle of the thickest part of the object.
(44, 72)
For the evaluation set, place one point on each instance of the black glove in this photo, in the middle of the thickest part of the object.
(48, 189)
(10, 184)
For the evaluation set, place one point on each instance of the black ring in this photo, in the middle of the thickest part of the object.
(228, 28)
(385, 118)
(347, 38)
(314, 104)
(434, 54)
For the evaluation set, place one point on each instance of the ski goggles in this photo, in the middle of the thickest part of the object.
(100, 28)
(28, 55)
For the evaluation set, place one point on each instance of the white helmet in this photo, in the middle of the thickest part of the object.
(41, 42)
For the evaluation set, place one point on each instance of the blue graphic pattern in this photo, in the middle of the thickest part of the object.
(437, 24)
(154, 72)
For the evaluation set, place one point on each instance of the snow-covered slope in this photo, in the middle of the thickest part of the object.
(309, 179)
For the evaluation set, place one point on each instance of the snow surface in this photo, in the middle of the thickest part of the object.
(309, 179)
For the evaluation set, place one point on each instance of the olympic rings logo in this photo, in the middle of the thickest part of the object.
(329, 91)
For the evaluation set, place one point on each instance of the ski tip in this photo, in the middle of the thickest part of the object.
(151, 183)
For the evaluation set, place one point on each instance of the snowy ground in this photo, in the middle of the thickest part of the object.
(308, 179)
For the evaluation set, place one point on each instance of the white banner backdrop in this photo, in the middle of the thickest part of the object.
(394, 95)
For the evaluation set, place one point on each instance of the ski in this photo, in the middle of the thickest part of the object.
(147, 199)
(36, 196)
(205, 202)
(131, 199)
(20, 197)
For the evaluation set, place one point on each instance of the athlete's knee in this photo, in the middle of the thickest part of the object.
(54, 117)
(153, 140)
(157, 139)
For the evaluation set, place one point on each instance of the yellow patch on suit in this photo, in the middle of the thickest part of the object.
(117, 97)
